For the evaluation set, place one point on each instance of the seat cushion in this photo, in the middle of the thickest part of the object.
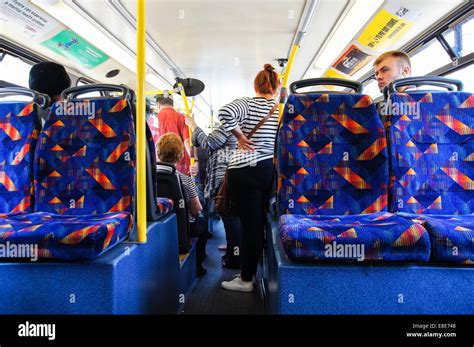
(165, 205)
(376, 236)
(332, 156)
(452, 237)
(64, 237)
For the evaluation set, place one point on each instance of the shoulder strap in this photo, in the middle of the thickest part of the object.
(267, 117)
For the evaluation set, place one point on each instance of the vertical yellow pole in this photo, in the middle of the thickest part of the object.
(192, 106)
(141, 102)
(286, 76)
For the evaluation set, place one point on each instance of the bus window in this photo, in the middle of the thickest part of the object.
(466, 76)
(82, 82)
(14, 70)
(461, 37)
(372, 89)
(431, 57)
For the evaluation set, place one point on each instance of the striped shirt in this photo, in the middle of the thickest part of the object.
(221, 145)
(190, 191)
(246, 113)
(189, 188)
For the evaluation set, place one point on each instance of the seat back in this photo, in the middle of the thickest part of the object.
(85, 157)
(432, 152)
(331, 156)
(169, 186)
(19, 128)
(151, 178)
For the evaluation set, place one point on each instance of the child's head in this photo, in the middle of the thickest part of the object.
(170, 148)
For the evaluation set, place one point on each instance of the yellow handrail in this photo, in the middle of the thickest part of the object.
(140, 119)
(159, 91)
(192, 106)
(286, 76)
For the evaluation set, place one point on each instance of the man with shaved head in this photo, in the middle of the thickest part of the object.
(391, 66)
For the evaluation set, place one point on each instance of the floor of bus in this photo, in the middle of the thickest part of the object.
(208, 297)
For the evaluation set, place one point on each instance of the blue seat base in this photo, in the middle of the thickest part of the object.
(187, 274)
(131, 278)
(408, 288)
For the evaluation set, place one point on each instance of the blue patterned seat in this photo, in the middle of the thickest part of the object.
(432, 156)
(451, 235)
(374, 236)
(164, 205)
(333, 161)
(65, 237)
(332, 156)
(19, 128)
(84, 178)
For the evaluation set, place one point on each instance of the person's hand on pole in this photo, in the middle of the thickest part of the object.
(191, 122)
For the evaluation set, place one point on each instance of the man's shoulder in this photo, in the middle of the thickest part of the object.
(169, 111)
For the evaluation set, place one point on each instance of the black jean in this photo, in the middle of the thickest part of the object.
(199, 229)
(232, 235)
(249, 189)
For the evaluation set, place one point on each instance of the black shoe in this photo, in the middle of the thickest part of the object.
(229, 264)
(201, 271)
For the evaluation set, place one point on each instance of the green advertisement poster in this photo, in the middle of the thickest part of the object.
(72, 46)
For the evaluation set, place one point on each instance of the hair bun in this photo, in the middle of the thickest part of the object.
(268, 67)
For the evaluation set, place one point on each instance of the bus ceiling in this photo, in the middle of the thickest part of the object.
(222, 42)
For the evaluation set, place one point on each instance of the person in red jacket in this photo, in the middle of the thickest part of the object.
(168, 120)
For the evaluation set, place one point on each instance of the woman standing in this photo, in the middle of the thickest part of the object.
(251, 168)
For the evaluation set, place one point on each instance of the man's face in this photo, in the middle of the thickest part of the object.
(389, 70)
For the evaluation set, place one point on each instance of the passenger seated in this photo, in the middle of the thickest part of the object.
(49, 78)
(391, 66)
(170, 150)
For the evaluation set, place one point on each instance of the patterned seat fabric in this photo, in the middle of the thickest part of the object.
(332, 156)
(86, 164)
(165, 205)
(377, 236)
(19, 124)
(84, 179)
(452, 236)
(432, 153)
(333, 184)
(432, 156)
(56, 236)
